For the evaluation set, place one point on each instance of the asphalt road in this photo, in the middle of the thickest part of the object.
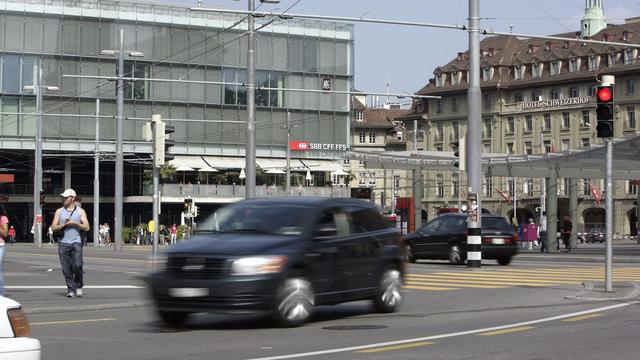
(536, 308)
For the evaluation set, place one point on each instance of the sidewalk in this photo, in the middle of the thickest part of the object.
(623, 252)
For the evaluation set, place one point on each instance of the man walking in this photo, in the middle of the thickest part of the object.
(12, 235)
(174, 234)
(71, 219)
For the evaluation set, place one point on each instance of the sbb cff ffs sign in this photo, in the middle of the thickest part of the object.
(306, 146)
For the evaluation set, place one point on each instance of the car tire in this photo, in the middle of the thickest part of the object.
(505, 260)
(455, 255)
(295, 300)
(409, 253)
(173, 318)
(388, 297)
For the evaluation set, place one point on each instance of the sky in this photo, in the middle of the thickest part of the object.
(407, 56)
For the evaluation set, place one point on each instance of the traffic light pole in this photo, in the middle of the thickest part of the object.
(155, 120)
(609, 216)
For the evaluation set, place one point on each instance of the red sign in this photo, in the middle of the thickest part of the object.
(6, 178)
(299, 145)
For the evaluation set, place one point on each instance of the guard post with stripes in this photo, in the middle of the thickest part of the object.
(474, 231)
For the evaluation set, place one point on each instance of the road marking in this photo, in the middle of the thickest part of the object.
(449, 335)
(585, 317)
(72, 321)
(397, 347)
(507, 331)
(462, 285)
(84, 287)
(432, 288)
(88, 257)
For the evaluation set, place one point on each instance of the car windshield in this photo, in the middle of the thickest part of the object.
(496, 223)
(262, 218)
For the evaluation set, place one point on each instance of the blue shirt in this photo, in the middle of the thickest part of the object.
(71, 234)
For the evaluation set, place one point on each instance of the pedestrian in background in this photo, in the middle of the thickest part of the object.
(567, 226)
(4, 234)
(174, 234)
(12, 235)
(71, 219)
(50, 233)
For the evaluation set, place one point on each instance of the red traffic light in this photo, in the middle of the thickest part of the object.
(604, 94)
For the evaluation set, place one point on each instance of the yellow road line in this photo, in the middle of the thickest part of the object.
(72, 321)
(503, 278)
(475, 286)
(396, 347)
(584, 317)
(434, 288)
(507, 331)
(488, 280)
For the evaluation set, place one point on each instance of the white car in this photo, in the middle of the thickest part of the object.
(15, 343)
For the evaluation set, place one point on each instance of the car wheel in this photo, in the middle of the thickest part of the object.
(409, 254)
(294, 302)
(173, 318)
(388, 297)
(505, 260)
(455, 255)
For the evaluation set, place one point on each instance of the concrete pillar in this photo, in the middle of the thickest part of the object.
(67, 172)
(552, 211)
(417, 197)
(573, 210)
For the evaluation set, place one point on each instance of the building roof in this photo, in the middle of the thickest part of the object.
(378, 118)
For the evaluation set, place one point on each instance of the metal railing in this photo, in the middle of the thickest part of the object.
(238, 191)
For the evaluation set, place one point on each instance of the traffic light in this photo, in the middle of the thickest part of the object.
(157, 131)
(42, 198)
(604, 111)
(187, 205)
(459, 153)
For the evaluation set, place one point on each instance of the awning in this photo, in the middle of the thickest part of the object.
(231, 162)
(216, 162)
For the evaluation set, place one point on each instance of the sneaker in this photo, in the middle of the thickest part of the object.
(71, 295)
(79, 293)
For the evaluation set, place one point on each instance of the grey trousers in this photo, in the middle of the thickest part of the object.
(71, 262)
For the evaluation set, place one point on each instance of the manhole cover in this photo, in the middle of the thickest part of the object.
(355, 327)
(158, 330)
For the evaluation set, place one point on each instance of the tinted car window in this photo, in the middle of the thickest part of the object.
(453, 224)
(336, 219)
(367, 219)
(283, 219)
(431, 227)
(496, 223)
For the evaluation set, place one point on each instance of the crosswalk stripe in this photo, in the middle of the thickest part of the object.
(477, 286)
(433, 288)
(506, 278)
(512, 277)
(455, 282)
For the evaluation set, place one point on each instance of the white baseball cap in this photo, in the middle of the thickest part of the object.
(68, 192)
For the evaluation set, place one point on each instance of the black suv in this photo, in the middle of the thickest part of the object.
(281, 256)
(445, 237)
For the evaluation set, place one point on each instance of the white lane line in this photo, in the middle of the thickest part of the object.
(84, 287)
(449, 335)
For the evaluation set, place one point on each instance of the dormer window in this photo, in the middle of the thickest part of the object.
(594, 62)
(611, 59)
(455, 78)
(440, 79)
(573, 65)
(536, 70)
(487, 73)
(555, 67)
(547, 46)
(492, 51)
(625, 35)
(629, 56)
(605, 37)
(359, 115)
(460, 55)
(530, 49)
(566, 45)
(518, 72)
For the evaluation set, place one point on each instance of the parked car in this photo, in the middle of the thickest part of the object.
(596, 235)
(283, 257)
(445, 237)
(15, 343)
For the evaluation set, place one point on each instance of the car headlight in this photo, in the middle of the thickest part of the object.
(256, 265)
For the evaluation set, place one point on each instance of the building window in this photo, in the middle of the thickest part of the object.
(547, 121)
(611, 59)
(439, 106)
(631, 117)
(486, 147)
(486, 131)
(574, 92)
(585, 117)
(439, 132)
(517, 72)
(556, 94)
(517, 97)
(345, 162)
(584, 142)
(555, 67)
(511, 125)
(547, 146)
(488, 186)
(439, 186)
(566, 120)
(631, 189)
(396, 183)
(536, 95)
(359, 115)
(438, 147)
(631, 86)
(139, 89)
(486, 101)
(454, 105)
(573, 65)
(535, 70)
(440, 79)
(510, 148)
(399, 135)
(528, 187)
(586, 191)
(455, 78)
(372, 178)
(565, 144)
(363, 137)
(361, 178)
(486, 73)
(592, 90)
(528, 123)
(593, 63)
(628, 56)
(565, 187)
(456, 130)
(528, 148)
(19, 71)
(511, 189)
(455, 185)
(372, 137)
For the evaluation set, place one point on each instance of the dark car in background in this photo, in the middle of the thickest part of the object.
(445, 237)
(282, 257)
(596, 235)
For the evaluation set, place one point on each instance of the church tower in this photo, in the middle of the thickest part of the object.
(593, 20)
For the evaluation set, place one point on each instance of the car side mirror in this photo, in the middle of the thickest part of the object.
(326, 231)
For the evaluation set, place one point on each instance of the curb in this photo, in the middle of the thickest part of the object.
(551, 257)
(588, 288)
(62, 309)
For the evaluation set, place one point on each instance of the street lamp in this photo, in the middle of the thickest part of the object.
(37, 172)
(119, 176)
